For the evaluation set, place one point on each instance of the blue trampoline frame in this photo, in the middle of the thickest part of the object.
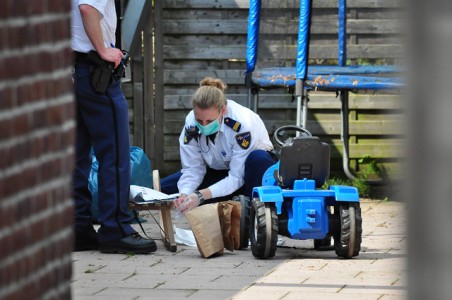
(341, 78)
(345, 77)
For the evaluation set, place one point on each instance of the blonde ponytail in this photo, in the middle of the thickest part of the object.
(210, 94)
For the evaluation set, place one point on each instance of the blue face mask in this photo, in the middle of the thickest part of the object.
(210, 128)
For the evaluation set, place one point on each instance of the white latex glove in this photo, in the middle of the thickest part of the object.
(190, 202)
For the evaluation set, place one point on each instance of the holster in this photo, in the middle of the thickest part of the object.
(101, 72)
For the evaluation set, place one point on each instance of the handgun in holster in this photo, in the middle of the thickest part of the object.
(101, 72)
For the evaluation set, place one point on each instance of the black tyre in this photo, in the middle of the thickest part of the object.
(244, 220)
(347, 238)
(263, 229)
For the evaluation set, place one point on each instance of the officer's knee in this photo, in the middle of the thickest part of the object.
(256, 157)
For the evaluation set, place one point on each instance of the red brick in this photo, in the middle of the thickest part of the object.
(18, 8)
(6, 130)
(24, 94)
(35, 7)
(3, 37)
(4, 74)
(5, 157)
(13, 68)
(5, 271)
(39, 119)
(16, 37)
(21, 125)
(58, 6)
(37, 90)
(7, 98)
(55, 115)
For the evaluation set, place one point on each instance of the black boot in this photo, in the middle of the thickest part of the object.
(85, 240)
(133, 243)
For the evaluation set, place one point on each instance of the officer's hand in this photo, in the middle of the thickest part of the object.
(113, 55)
(179, 200)
(190, 202)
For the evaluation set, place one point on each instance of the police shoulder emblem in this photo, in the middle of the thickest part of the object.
(235, 125)
(190, 133)
(244, 139)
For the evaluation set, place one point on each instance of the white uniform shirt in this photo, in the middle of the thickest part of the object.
(106, 8)
(229, 150)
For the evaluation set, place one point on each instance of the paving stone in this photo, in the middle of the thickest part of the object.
(332, 296)
(296, 272)
(261, 295)
(143, 293)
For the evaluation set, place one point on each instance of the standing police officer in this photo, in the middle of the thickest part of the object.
(224, 150)
(102, 124)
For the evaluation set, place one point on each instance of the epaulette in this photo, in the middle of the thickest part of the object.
(190, 133)
(235, 125)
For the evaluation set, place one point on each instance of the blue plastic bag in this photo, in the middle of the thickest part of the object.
(141, 174)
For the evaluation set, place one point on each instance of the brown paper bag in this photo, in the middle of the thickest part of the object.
(235, 222)
(206, 228)
(216, 226)
(224, 215)
(229, 214)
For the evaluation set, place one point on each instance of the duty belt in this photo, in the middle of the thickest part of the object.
(81, 58)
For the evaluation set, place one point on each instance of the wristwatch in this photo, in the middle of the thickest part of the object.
(200, 197)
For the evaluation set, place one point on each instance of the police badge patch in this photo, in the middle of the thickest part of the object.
(190, 133)
(244, 139)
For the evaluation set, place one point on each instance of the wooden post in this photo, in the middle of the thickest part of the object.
(138, 105)
(148, 89)
(159, 95)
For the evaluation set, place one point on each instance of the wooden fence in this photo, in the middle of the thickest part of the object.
(198, 38)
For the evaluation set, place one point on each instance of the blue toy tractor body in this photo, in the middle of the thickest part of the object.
(291, 203)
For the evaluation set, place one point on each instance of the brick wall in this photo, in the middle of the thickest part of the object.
(36, 149)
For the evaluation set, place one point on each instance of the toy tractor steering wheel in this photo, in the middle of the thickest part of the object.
(281, 137)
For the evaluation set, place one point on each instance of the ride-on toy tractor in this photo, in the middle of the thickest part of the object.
(291, 203)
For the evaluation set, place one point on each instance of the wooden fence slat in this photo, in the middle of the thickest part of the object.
(138, 104)
(200, 4)
(214, 52)
(325, 101)
(188, 77)
(326, 127)
(356, 151)
(237, 27)
(244, 4)
(159, 88)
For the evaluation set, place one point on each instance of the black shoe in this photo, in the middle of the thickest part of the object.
(133, 243)
(85, 241)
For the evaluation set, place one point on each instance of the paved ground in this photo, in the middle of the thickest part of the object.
(296, 272)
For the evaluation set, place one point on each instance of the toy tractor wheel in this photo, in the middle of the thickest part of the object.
(263, 229)
(244, 220)
(347, 238)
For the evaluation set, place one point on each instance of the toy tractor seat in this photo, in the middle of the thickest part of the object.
(303, 157)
